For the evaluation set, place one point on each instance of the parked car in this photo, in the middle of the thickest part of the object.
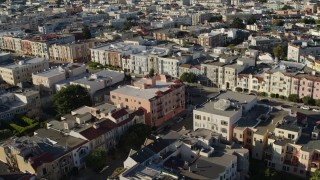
(305, 107)
(316, 110)
(265, 100)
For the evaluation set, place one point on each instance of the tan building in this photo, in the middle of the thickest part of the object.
(22, 71)
(160, 99)
(74, 52)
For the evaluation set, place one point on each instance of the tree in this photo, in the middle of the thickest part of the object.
(272, 95)
(277, 22)
(286, 7)
(70, 98)
(215, 18)
(307, 100)
(188, 77)
(135, 137)
(309, 21)
(86, 32)
(315, 175)
(97, 159)
(251, 20)
(151, 72)
(317, 102)
(280, 51)
(237, 23)
(293, 98)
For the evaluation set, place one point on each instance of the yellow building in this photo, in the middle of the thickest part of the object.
(316, 66)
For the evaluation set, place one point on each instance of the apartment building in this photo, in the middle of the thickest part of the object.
(302, 47)
(22, 70)
(160, 98)
(181, 155)
(47, 154)
(221, 114)
(46, 80)
(35, 46)
(306, 85)
(143, 62)
(111, 54)
(224, 72)
(93, 82)
(200, 17)
(212, 39)
(18, 103)
(73, 52)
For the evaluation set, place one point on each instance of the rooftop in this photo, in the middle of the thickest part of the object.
(23, 63)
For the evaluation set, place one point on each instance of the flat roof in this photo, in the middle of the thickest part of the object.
(25, 63)
(50, 73)
(241, 98)
(271, 123)
(143, 93)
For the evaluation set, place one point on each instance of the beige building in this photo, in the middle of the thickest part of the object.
(22, 71)
(46, 80)
(74, 52)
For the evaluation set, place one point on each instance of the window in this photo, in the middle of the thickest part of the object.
(249, 133)
(197, 116)
(114, 97)
(224, 130)
(126, 99)
(225, 123)
(204, 118)
(234, 134)
(139, 102)
(240, 135)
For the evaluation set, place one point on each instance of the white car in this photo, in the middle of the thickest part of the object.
(316, 110)
(305, 107)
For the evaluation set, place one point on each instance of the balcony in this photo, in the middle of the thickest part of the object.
(159, 103)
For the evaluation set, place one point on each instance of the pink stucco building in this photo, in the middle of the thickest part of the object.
(306, 85)
(159, 97)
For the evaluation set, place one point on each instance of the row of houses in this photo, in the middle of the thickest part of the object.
(61, 148)
(56, 47)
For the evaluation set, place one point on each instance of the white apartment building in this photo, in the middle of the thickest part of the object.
(22, 71)
(302, 47)
(221, 114)
(111, 54)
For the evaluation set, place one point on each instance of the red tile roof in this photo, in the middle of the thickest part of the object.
(43, 158)
(104, 126)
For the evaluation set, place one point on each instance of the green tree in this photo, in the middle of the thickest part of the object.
(307, 100)
(151, 72)
(317, 102)
(97, 159)
(70, 98)
(135, 137)
(277, 22)
(215, 18)
(251, 20)
(286, 7)
(188, 77)
(280, 51)
(309, 21)
(315, 175)
(86, 32)
(293, 98)
(237, 23)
